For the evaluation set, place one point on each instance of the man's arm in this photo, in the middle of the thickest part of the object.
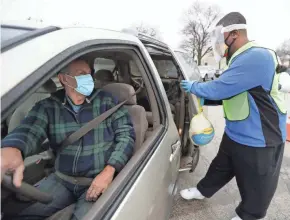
(30, 134)
(246, 72)
(124, 139)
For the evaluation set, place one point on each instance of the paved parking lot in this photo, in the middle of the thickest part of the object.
(222, 205)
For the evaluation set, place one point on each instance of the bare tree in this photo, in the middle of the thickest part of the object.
(283, 51)
(198, 21)
(148, 30)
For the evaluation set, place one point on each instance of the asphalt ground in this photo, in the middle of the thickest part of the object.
(222, 205)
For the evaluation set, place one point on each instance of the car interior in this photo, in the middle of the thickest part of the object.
(121, 73)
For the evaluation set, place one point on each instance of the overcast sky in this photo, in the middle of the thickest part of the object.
(268, 20)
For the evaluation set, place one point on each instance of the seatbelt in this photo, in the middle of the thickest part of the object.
(85, 181)
(89, 126)
(92, 124)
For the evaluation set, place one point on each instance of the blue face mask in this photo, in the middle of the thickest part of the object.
(85, 84)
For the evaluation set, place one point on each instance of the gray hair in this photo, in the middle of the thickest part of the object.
(66, 69)
(232, 18)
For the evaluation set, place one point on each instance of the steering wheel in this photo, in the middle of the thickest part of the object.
(27, 190)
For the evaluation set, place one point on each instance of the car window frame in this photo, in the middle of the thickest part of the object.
(24, 89)
(191, 97)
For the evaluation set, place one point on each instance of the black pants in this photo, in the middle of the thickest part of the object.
(256, 171)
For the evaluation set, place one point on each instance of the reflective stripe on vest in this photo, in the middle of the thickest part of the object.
(237, 108)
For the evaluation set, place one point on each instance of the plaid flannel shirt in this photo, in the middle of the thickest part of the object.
(111, 143)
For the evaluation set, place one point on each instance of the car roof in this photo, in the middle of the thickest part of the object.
(17, 63)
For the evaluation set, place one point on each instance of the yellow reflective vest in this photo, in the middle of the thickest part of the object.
(237, 108)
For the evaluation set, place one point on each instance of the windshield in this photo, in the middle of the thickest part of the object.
(7, 32)
(188, 65)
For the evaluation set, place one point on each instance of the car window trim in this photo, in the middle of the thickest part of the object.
(11, 43)
(157, 50)
(145, 39)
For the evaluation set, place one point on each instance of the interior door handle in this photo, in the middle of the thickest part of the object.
(175, 149)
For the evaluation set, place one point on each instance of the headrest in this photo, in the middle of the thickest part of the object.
(48, 87)
(122, 91)
(104, 75)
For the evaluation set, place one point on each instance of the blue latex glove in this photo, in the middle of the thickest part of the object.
(186, 85)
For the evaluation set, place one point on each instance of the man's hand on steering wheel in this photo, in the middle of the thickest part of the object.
(11, 160)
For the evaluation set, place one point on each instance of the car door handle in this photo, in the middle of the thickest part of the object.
(175, 149)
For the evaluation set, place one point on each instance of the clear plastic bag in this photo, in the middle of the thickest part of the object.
(201, 131)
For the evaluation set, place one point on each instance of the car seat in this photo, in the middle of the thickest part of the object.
(122, 92)
(103, 77)
(20, 113)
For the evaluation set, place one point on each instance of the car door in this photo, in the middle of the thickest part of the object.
(151, 195)
(190, 72)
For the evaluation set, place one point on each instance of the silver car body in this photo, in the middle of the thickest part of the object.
(148, 193)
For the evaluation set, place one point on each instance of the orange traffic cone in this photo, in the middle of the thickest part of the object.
(288, 129)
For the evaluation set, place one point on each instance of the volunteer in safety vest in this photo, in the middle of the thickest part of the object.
(255, 110)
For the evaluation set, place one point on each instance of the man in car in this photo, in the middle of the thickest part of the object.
(99, 155)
